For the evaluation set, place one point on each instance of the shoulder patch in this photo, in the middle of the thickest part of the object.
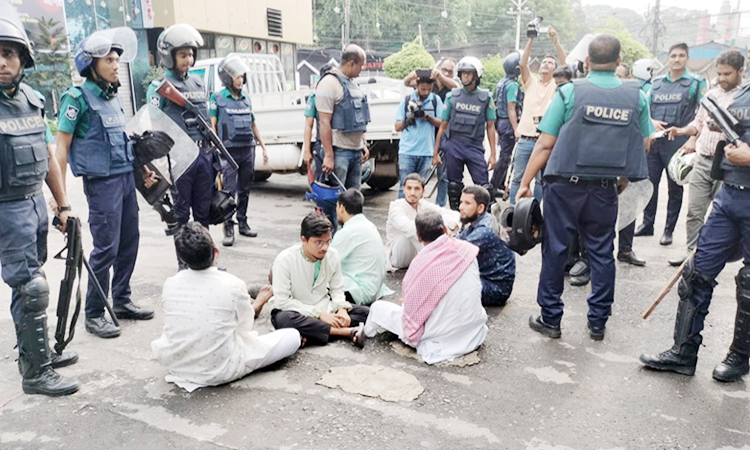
(71, 113)
(154, 101)
(213, 104)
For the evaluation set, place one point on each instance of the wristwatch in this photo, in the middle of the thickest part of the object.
(63, 208)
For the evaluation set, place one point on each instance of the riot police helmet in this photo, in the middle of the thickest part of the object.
(176, 37)
(12, 30)
(470, 64)
(512, 65)
(645, 69)
(121, 40)
(230, 68)
(524, 225)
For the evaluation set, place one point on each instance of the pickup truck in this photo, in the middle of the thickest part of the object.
(279, 115)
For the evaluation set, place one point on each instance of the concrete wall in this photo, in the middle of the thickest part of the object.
(239, 17)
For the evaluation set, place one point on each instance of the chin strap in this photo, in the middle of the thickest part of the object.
(14, 85)
(110, 89)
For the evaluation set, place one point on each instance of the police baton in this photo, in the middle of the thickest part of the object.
(669, 286)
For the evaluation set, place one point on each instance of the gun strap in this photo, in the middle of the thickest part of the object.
(63, 341)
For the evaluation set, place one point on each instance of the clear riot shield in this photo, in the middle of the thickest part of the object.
(631, 201)
(169, 168)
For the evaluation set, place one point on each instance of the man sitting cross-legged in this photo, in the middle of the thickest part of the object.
(497, 265)
(441, 312)
(308, 288)
(400, 234)
(361, 251)
(208, 336)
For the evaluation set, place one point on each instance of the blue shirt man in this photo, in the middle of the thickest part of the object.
(417, 117)
(591, 137)
(497, 264)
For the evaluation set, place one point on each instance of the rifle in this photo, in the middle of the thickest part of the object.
(74, 260)
(728, 124)
(168, 91)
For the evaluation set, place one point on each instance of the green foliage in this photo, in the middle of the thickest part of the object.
(493, 71)
(53, 62)
(154, 73)
(412, 56)
(631, 50)
(52, 124)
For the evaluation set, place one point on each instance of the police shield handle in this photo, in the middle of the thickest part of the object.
(668, 287)
(171, 93)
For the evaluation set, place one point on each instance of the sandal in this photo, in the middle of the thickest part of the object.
(358, 337)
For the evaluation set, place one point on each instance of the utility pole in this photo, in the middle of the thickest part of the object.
(421, 42)
(518, 12)
(656, 30)
(347, 21)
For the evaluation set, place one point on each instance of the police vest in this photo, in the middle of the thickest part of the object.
(106, 149)
(23, 151)
(501, 98)
(353, 113)
(603, 138)
(740, 108)
(235, 123)
(468, 114)
(672, 102)
(192, 88)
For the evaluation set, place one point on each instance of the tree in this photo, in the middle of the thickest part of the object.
(631, 50)
(53, 63)
(493, 71)
(412, 56)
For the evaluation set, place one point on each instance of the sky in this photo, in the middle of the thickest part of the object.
(641, 6)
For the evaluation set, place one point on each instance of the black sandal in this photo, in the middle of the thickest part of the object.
(358, 337)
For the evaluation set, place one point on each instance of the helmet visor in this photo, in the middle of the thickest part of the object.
(183, 35)
(234, 67)
(99, 44)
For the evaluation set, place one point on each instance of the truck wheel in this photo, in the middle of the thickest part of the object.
(382, 183)
(260, 177)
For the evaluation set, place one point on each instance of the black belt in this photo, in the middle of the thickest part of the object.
(530, 138)
(577, 181)
(737, 186)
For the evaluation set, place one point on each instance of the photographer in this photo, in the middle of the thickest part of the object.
(417, 117)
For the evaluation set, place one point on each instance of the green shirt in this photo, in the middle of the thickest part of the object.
(561, 107)
(490, 112)
(213, 110)
(698, 88)
(310, 109)
(511, 96)
(47, 133)
(73, 117)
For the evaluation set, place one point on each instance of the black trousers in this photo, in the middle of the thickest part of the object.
(314, 330)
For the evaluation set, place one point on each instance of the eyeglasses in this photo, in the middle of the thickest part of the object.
(448, 72)
(322, 243)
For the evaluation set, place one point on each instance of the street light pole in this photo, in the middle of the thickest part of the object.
(518, 12)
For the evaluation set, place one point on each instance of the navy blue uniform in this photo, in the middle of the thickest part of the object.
(507, 91)
(600, 123)
(102, 154)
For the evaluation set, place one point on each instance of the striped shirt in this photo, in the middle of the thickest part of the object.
(707, 140)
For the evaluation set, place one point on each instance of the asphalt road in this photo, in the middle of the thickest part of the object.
(528, 392)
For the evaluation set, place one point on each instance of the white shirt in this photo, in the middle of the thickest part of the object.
(400, 222)
(457, 325)
(208, 329)
(362, 254)
(295, 287)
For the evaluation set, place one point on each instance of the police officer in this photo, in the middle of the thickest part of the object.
(674, 99)
(592, 134)
(232, 117)
(468, 112)
(509, 100)
(725, 234)
(644, 70)
(312, 152)
(344, 115)
(26, 160)
(177, 47)
(92, 138)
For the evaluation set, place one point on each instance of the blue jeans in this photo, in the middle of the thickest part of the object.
(442, 192)
(412, 164)
(520, 160)
(348, 167)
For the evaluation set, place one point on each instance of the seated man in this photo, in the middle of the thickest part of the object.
(442, 314)
(308, 288)
(401, 243)
(361, 251)
(208, 336)
(497, 265)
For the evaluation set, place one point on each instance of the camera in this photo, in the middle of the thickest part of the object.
(415, 110)
(424, 75)
(533, 29)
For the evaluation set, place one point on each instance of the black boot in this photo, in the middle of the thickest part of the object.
(244, 228)
(33, 353)
(683, 356)
(228, 234)
(736, 365)
(454, 194)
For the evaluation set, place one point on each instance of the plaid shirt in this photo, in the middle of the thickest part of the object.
(707, 139)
